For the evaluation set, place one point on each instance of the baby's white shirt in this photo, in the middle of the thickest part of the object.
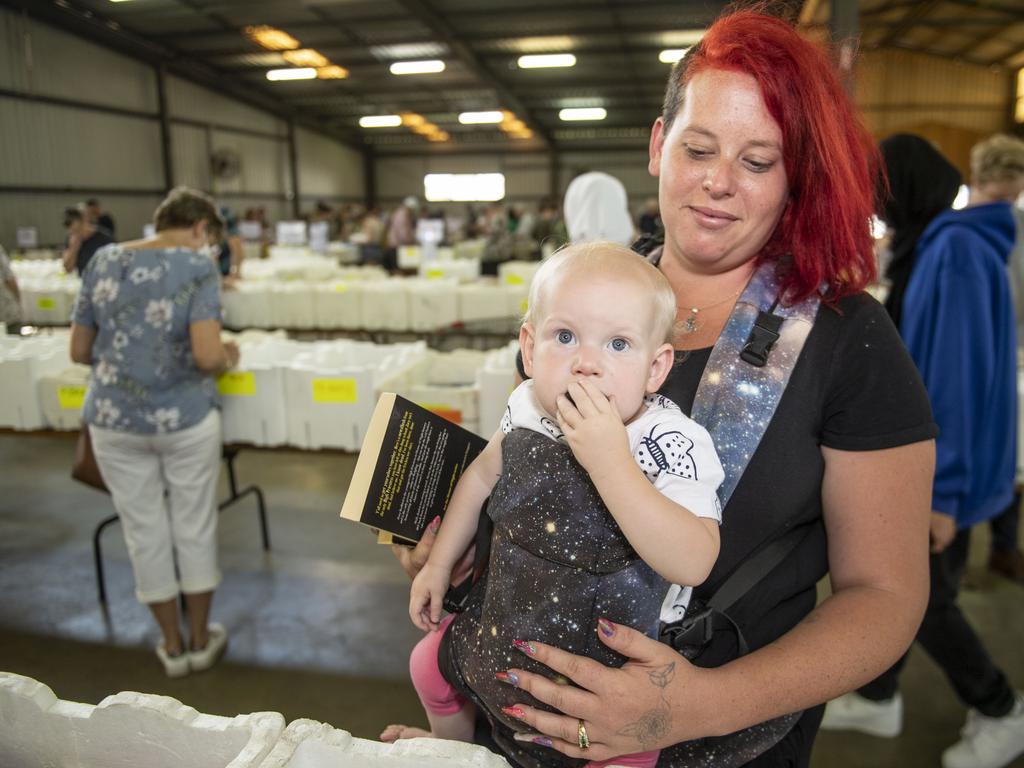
(674, 452)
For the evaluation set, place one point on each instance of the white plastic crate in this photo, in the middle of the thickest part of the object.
(338, 304)
(496, 380)
(253, 395)
(23, 362)
(432, 304)
(62, 396)
(309, 744)
(518, 272)
(489, 300)
(446, 383)
(460, 269)
(126, 730)
(385, 306)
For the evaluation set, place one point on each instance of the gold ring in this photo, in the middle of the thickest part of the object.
(581, 733)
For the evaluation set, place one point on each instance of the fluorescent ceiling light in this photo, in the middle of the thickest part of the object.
(672, 55)
(332, 72)
(478, 118)
(547, 60)
(271, 38)
(380, 121)
(417, 67)
(306, 57)
(294, 73)
(464, 187)
(583, 113)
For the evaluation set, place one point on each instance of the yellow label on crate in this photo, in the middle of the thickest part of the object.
(434, 274)
(45, 302)
(239, 383)
(524, 305)
(340, 287)
(335, 391)
(514, 280)
(71, 398)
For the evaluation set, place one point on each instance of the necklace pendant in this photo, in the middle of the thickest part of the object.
(690, 324)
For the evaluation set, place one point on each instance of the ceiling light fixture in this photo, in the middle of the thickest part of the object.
(293, 73)
(547, 60)
(380, 121)
(672, 55)
(583, 113)
(481, 118)
(306, 57)
(271, 38)
(430, 66)
(332, 72)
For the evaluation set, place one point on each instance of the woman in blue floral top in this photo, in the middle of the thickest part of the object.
(147, 320)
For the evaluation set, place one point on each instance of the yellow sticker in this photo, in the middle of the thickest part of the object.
(340, 287)
(239, 383)
(45, 302)
(524, 305)
(335, 391)
(513, 280)
(71, 398)
(434, 274)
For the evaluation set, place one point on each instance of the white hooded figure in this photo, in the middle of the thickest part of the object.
(596, 208)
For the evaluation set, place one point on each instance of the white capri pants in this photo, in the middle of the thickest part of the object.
(138, 469)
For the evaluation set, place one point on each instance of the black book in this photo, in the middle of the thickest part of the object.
(408, 466)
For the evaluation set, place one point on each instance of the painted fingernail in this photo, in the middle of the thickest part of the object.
(525, 646)
(544, 741)
(435, 524)
(515, 712)
(606, 627)
(507, 677)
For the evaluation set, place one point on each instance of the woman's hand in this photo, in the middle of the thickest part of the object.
(639, 707)
(412, 559)
(941, 531)
(593, 428)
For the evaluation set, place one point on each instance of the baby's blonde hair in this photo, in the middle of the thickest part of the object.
(999, 158)
(603, 258)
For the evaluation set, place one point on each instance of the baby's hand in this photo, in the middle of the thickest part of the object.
(427, 596)
(593, 428)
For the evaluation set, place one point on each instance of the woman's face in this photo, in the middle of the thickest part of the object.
(722, 181)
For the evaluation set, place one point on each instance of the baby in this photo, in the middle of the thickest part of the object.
(602, 494)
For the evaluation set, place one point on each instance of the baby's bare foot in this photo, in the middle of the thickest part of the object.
(395, 732)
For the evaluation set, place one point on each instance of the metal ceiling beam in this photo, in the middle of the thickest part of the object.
(101, 30)
(909, 19)
(425, 14)
(1014, 12)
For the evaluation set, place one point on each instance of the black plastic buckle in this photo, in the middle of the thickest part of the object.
(762, 337)
(691, 634)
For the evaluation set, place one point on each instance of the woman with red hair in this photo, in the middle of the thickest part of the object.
(766, 185)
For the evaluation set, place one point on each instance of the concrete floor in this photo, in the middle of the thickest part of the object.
(318, 626)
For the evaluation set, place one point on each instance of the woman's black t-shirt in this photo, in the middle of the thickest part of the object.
(854, 388)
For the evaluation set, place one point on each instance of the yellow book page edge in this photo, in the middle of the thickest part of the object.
(355, 496)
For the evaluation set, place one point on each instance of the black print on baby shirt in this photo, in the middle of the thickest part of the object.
(667, 452)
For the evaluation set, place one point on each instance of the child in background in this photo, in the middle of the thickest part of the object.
(602, 493)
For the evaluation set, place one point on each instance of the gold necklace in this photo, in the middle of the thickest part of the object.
(691, 323)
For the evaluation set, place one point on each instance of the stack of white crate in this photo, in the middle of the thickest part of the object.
(128, 729)
(23, 363)
(490, 299)
(47, 293)
(446, 383)
(432, 303)
(61, 396)
(338, 304)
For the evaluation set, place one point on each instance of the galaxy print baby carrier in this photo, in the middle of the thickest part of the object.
(558, 553)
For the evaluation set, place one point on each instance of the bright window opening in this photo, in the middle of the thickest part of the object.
(464, 187)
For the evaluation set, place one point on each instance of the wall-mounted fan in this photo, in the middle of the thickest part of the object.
(225, 163)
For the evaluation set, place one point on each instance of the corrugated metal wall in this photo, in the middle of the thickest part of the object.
(49, 147)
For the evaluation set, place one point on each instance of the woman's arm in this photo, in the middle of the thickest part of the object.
(209, 352)
(82, 338)
(876, 515)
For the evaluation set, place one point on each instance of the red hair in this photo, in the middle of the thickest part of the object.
(831, 160)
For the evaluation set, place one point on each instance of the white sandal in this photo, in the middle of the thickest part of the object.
(174, 666)
(206, 657)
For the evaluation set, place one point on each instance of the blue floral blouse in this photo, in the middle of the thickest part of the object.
(141, 303)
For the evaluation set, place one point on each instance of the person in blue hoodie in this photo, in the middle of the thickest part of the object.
(958, 323)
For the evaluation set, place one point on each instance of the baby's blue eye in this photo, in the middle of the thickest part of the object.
(565, 337)
(620, 345)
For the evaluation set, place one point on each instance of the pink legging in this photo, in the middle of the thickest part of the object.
(440, 697)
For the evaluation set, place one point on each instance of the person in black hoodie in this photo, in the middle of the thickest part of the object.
(922, 184)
